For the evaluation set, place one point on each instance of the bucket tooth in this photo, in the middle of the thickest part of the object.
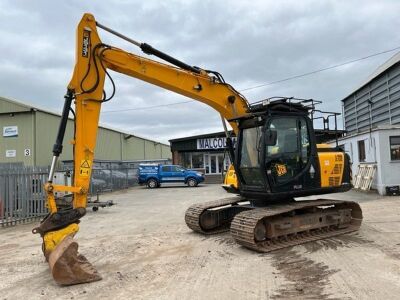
(68, 267)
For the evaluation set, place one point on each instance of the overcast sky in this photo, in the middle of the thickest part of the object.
(249, 42)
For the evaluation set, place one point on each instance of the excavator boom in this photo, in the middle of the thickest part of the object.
(93, 60)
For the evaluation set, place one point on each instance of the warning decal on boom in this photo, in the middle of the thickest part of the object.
(85, 168)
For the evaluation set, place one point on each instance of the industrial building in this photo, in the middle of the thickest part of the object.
(28, 135)
(372, 122)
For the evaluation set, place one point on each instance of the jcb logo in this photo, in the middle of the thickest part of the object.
(280, 169)
(85, 43)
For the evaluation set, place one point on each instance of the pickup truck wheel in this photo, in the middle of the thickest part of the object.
(152, 183)
(192, 182)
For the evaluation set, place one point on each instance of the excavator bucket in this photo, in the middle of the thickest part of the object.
(68, 267)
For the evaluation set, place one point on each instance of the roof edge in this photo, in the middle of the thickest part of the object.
(388, 64)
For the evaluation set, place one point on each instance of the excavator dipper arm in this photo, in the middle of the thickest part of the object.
(85, 89)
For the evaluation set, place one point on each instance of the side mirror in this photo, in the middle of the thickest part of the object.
(270, 137)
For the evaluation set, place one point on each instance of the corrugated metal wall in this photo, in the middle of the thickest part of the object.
(133, 148)
(37, 131)
(381, 96)
(108, 145)
(46, 132)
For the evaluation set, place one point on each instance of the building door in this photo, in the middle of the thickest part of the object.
(227, 162)
(220, 163)
(215, 163)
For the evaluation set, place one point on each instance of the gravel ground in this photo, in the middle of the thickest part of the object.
(144, 250)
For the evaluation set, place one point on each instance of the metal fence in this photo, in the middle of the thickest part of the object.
(22, 197)
(113, 175)
(22, 194)
(111, 179)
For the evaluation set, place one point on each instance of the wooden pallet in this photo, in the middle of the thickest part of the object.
(365, 176)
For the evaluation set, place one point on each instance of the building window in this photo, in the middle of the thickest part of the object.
(186, 160)
(197, 160)
(361, 151)
(395, 147)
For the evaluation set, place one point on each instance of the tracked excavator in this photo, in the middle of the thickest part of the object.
(275, 160)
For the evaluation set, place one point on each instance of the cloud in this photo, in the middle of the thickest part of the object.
(250, 43)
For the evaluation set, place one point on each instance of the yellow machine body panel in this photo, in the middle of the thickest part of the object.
(332, 166)
(230, 181)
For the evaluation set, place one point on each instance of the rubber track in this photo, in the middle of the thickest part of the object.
(193, 213)
(244, 223)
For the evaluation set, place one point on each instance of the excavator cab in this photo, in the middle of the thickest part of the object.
(278, 156)
(277, 153)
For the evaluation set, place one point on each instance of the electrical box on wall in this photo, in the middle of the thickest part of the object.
(393, 190)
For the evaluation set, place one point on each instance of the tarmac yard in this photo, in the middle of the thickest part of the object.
(144, 250)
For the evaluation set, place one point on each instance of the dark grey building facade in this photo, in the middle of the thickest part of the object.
(377, 101)
(372, 122)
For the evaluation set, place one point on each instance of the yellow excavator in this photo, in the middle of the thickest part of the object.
(276, 158)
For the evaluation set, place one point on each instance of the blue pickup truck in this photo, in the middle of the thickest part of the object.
(153, 175)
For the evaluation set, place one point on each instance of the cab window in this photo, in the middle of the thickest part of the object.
(290, 154)
(166, 168)
(177, 169)
(249, 156)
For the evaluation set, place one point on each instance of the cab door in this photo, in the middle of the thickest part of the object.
(288, 163)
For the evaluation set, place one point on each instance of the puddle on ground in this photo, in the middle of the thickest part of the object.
(306, 278)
